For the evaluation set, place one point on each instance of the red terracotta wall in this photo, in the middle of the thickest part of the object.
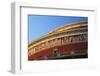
(68, 47)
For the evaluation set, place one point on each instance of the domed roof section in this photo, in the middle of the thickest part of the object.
(67, 27)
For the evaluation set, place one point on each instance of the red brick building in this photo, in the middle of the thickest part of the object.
(66, 42)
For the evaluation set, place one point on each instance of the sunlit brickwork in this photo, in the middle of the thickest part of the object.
(65, 42)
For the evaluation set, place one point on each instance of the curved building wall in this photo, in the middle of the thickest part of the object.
(64, 42)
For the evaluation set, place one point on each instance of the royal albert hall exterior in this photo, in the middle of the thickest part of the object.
(65, 42)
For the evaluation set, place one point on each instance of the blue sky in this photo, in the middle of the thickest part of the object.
(39, 25)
